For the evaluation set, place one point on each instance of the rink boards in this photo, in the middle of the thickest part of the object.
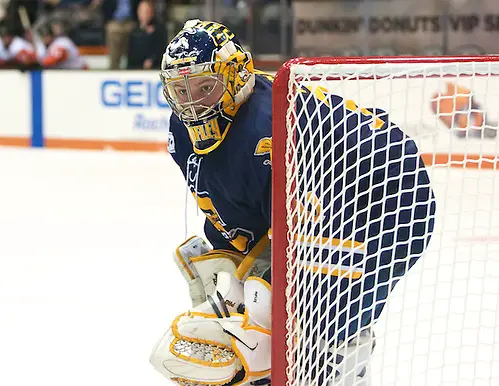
(84, 110)
(125, 110)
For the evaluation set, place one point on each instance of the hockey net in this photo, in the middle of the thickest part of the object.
(440, 322)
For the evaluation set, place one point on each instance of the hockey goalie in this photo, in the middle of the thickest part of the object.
(374, 189)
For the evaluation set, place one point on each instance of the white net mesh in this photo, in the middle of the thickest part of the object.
(367, 209)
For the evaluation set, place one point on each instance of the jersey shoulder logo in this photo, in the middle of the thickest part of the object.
(171, 143)
(264, 146)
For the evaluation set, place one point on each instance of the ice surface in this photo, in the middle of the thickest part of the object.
(441, 326)
(87, 284)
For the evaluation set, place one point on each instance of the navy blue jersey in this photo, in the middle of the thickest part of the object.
(367, 212)
(364, 175)
(232, 184)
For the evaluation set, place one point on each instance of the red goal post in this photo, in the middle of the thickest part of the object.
(454, 128)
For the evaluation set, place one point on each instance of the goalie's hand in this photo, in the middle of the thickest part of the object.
(217, 342)
(199, 265)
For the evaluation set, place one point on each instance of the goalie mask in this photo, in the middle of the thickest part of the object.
(206, 76)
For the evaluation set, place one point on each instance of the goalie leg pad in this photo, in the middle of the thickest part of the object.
(258, 301)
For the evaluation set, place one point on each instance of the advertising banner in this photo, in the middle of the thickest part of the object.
(119, 106)
(396, 27)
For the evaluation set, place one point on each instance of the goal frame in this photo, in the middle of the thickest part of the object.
(279, 224)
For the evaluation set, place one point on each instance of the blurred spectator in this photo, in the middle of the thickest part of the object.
(18, 52)
(119, 17)
(76, 11)
(56, 50)
(13, 13)
(148, 40)
(3, 8)
(81, 15)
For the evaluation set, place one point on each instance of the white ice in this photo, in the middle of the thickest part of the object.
(87, 284)
(441, 325)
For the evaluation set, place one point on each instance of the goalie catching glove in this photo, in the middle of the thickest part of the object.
(223, 341)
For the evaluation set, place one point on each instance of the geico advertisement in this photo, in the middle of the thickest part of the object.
(15, 104)
(119, 105)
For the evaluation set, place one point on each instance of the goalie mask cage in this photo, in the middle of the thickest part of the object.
(440, 323)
